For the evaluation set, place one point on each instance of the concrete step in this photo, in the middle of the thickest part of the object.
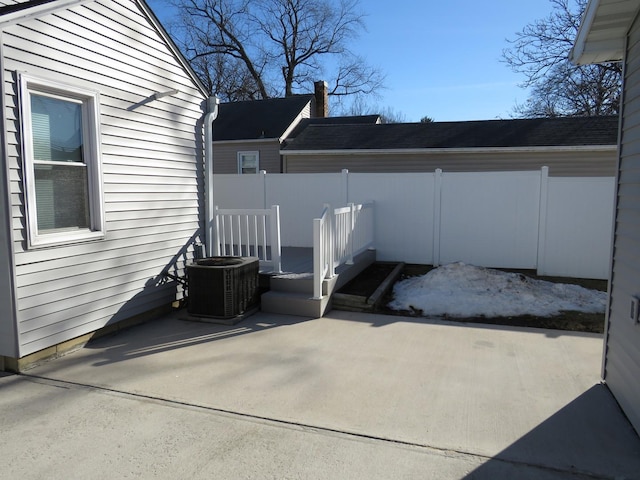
(291, 303)
(292, 294)
(293, 283)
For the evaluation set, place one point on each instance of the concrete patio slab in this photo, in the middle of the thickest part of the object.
(357, 390)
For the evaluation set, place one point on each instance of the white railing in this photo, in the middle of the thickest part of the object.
(338, 236)
(353, 231)
(323, 266)
(249, 233)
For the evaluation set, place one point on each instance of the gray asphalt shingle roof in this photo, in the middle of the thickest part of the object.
(255, 119)
(537, 132)
(345, 120)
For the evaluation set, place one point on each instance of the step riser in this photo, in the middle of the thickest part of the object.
(293, 285)
(294, 304)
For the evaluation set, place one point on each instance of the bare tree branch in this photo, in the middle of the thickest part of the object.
(558, 88)
(276, 47)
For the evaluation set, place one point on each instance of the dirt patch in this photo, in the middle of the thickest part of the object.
(368, 281)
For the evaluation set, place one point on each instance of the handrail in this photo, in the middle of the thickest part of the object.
(338, 236)
(353, 231)
(323, 266)
(246, 232)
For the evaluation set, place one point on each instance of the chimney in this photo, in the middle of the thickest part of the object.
(322, 98)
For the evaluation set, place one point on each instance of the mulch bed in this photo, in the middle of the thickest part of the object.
(368, 281)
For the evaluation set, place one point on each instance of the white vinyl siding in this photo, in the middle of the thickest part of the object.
(151, 166)
(622, 356)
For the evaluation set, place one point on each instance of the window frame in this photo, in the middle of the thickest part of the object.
(241, 156)
(90, 102)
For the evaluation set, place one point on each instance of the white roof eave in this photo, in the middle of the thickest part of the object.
(602, 32)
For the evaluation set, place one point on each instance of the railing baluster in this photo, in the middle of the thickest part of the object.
(245, 232)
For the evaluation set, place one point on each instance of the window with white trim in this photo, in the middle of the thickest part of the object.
(248, 162)
(62, 166)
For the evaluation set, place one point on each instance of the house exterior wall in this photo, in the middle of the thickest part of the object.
(579, 163)
(151, 170)
(7, 317)
(225, 154)
(622, 352)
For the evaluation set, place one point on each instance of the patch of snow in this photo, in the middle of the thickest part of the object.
(294, 276)
(461, 290)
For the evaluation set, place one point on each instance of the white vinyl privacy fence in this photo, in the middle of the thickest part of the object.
(556, 225)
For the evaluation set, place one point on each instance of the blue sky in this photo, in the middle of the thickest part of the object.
(441, 59)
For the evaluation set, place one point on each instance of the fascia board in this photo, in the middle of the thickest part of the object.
(248, 140)
(37, 11)
(293, 124)
(576, 53)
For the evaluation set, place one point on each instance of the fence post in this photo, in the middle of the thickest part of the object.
(345, 186)
(263, 174)
(542, 220)
(276, 249)
(437, 215)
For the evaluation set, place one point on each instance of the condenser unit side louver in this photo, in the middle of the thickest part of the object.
(222, 287)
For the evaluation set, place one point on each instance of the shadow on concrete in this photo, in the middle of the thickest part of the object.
(379, 320)
(162, 335)
(574, 442)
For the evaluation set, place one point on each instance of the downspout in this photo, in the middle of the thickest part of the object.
(210, 116)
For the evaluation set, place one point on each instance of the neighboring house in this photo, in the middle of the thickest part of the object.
(568, 146)
(102, 161)
(610, 31)
(248, 135)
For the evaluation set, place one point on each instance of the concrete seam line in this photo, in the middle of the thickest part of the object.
(577, 474)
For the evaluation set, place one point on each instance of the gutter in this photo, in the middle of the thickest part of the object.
(422, 151)
(210, 116)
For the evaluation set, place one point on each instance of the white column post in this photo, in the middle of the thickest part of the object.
(352, 224)
(276, 249)
(317, 258)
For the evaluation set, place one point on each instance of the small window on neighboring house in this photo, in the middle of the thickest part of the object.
(248, 162)
(62, 174)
